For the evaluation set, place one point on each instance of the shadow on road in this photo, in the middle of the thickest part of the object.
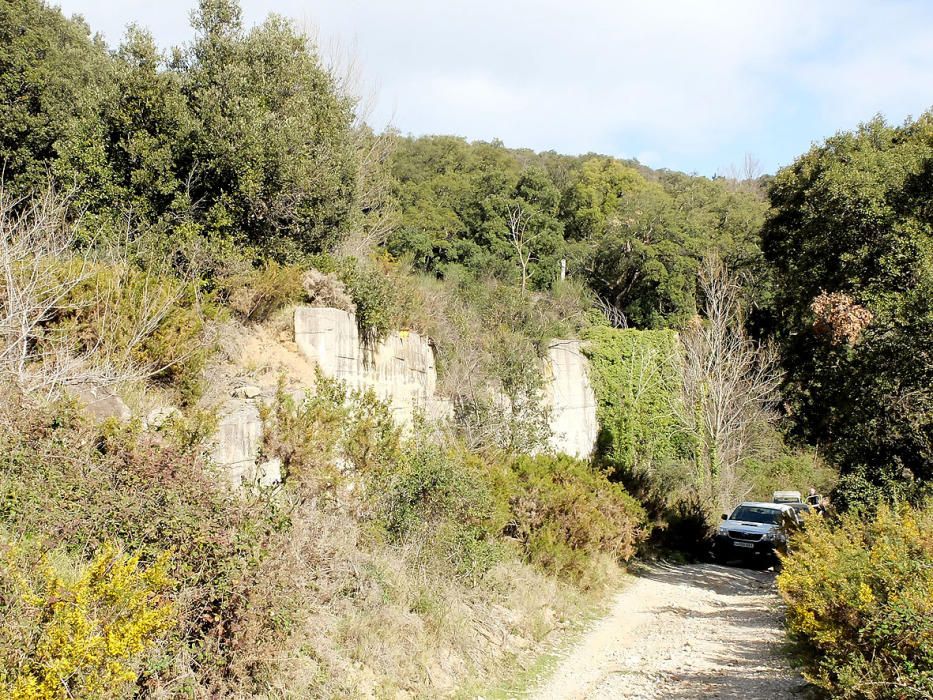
(735, 671)
(724, 580)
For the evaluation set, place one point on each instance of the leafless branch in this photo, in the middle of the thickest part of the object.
(611, 312)
(45, 280)
(522, 239)
(730, 386)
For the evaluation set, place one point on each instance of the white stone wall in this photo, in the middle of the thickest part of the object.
(237, 444)
(571, 399)
(399, 369)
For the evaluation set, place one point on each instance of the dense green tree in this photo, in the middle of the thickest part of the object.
(273, 156)
(633, 234)
(244, 134)
(148, 130)
(640, 236)
(851, 242)
(635, 252)
(433, 183)
(464, 204)
(52, 73)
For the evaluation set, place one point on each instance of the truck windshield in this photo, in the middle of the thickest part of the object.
(756, 514)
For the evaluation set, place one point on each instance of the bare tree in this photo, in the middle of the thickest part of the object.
(40, 277)
(743, 177)
(375, 215)
(522, 239)
(751, 168)
(612, 313)
(730, 387)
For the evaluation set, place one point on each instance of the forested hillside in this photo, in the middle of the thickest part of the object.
(634, 235)
(162, 214)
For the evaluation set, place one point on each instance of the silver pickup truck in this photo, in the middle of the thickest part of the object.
(754, 532)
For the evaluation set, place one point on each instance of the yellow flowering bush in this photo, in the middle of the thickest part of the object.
(80, 635)
(859, 600)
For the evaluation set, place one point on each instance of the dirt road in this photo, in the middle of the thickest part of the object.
(697, 631)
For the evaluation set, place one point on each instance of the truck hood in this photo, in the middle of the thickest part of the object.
(744, 526)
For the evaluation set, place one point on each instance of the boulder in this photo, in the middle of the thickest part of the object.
(158, 417)
(101, 403)
(269, 473)
(247, 391)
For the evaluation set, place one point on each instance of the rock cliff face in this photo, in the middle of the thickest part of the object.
(237, 444)
(571, 399)
(401, 370)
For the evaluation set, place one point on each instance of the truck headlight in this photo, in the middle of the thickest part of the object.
(723, 531)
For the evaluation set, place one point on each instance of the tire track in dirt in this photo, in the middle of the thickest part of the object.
(692, 631)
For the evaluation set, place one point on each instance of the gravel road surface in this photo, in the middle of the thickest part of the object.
(694, 631)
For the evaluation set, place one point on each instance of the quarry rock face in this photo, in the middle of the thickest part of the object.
(400, 369)
(571, 400)
(238, 441)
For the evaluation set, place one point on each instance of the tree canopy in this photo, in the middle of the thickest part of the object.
(635, 235)
(851, 240)
(242, 133)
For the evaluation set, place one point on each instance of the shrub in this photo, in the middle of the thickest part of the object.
(324, 289)
(141, 324)
(441, 495)
(685, 527)
(373, 293)
(81, 635)
(319, 431)
(860, 603)
(257, 293)
(863, 488)
(564, 513)
(798, 470)
(78, 487)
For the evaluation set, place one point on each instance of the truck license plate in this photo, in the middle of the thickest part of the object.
(749, 545)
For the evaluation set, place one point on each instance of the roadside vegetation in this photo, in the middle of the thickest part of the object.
(860, 603)
(745, 334)
(851, 240)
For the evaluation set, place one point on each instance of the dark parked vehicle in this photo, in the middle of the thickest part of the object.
(755, 533)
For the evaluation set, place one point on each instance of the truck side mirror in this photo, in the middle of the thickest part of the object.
(725, 517)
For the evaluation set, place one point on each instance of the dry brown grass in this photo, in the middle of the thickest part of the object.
(374, 623)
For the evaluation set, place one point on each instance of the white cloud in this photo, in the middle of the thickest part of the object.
(694, 84)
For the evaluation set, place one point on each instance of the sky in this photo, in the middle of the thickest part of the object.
(687, 85)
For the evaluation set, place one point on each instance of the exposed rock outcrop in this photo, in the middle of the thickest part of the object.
(101, 403)
(400, 369)
(158, 417)
(238, 442)
(571, 399)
